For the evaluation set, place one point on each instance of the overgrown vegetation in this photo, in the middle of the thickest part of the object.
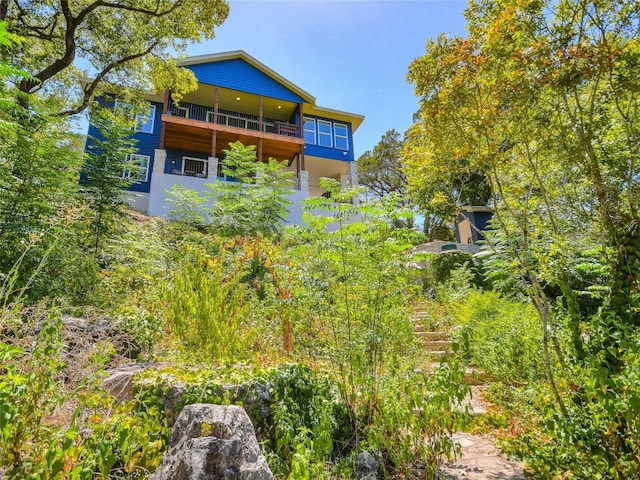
(535, 114)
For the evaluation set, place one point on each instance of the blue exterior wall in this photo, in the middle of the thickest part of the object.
(145, 145)
(237, 74)
(331, 152)
(479, 219)
(174, 158)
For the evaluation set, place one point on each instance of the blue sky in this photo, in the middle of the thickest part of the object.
(351, 55)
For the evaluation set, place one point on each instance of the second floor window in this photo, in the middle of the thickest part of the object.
(310, 131)
(144, 120)
(340, 136)
(325, 136)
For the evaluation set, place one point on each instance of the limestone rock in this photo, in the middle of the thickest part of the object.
(366, 467)
(213, 442)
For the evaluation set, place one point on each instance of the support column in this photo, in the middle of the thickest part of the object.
(303, 181)
(214, 139)
(353, 179)
(212, 171)
(260, 149)
(353, 174)
(159, 160)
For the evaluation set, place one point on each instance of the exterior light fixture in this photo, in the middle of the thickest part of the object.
(238, 98)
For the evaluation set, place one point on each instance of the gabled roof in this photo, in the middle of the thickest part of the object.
(353, 118)
(242, 55)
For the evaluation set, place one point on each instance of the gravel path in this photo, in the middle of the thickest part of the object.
(481, 459)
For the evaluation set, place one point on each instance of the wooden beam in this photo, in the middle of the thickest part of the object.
(260, 149)
(165, 107)
(260, 115)
(214, 138)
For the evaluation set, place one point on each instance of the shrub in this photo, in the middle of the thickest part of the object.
(206, 307)
(502, 336)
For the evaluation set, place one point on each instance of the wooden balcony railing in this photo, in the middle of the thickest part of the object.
(232, 119)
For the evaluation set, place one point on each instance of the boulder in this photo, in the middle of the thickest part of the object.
(213, 442)
(366, 466)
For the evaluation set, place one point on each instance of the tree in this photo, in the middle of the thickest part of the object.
(380, 170)
(253, 201)
(131, 45)
(542, 99)
(108, 172)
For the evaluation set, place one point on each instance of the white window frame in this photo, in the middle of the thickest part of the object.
(345, 136)
(196, 159)
(150, 119)
(143, 171)
(328, 135)
(305, 129)
(139, 126)
(183, 109)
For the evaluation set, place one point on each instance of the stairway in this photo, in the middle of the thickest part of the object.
(437, 343)
(438, 346)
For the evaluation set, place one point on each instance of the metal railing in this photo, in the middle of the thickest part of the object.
(232, 119)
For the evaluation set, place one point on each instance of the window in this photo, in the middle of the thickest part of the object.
(194, 167)
(137, 167)
(324, 134)
(340, 136)
(310, 131)
(181, 112)
(144, 121)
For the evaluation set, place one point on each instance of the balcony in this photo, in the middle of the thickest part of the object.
(232, 119)
(193, 127)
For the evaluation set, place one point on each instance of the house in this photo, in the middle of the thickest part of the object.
(238, 99)
(471, 222)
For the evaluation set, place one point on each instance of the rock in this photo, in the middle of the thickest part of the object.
(213, 442)
(119, 385)
(172, 400)
(366, 467)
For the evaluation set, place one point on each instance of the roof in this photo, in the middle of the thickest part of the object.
(353, 118)
(240, 54)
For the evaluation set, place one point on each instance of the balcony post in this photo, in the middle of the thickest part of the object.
(301, 121)
(260, 116)
(165, 107)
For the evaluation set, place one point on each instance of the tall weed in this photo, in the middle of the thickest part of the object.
(502, 336)
(206, 307)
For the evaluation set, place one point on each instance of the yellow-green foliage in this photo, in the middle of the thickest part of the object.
(207, 307)
(502, 336)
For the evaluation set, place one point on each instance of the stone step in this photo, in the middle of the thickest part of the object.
(439, 355)
(437, 345)
(472, 376)
(433, 336)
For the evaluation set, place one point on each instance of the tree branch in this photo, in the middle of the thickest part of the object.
(88, 92)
